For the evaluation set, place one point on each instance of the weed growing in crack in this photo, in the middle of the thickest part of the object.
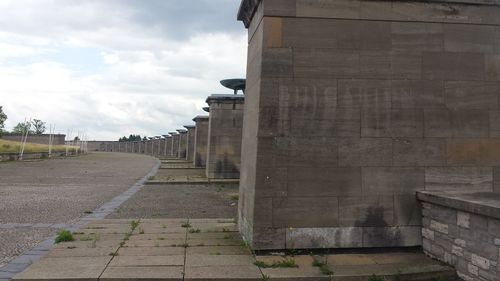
(286, 263)
(64, 236)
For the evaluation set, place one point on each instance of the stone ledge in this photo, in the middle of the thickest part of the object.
(481, 203)
(248, 7)
(200, 118)
(225, 99)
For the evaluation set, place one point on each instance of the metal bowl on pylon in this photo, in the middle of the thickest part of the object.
(235, 84)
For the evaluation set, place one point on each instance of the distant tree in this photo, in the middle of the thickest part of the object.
(130, 138)
(144, 138)
(76, 139)
(39, 126)
(3, 117)
(22, 128)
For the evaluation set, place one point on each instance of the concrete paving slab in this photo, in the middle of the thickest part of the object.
(77, 268)
(295, 274)
(81, 252)
(88, 244)
(219, 260)
(233, 273)
(136, 273)
(213, 235)
(157, 236)
(218, 250)
(156, 243)
(170, 260)
(350, 259)
(215, 242)
(151, 251)
(163, 230)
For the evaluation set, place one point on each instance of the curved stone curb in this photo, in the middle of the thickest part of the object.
(20, 263)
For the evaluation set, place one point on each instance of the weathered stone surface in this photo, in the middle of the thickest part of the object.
(365, 152)
(401, 94)
(419, 152)
(305, 212)
(224, 136)
(366, 211)
(200, 140)
(333, 237)
(458, 178)
(417, 94)
(477, 152)
(392, 180)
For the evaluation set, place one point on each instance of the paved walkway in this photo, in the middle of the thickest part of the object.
(40, 197)
(187, 231)
(206, 249)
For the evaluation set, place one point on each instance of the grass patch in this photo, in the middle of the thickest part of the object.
(286, 263)
(150, 178)
(113, 254)
(235, 197)
(15, 147)
(192, 230)
(64, 236)
(186, 225)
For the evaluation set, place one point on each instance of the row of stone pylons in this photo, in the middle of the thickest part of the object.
(214, 141)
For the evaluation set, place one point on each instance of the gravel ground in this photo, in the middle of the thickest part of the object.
(181, 201)
(14, 242)
(60, 191)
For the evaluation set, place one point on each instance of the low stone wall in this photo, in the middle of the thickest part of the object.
(28, 156)
(58, 139)
(463, 230)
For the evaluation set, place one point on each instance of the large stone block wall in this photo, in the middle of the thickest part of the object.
(200, 140)
(464, 234)
(190, 143)
(224, 136)
(353, 106)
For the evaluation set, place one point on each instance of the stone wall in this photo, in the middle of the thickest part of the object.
(40, 139)
(463, 230)
(224, 136)
(175, 145)
(168, 146)
(200, 140)
(183, 141)
(190, 143)
(353, 106)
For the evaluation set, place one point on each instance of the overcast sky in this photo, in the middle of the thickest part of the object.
(116, 67)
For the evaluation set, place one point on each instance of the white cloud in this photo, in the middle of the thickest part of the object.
(145, 83)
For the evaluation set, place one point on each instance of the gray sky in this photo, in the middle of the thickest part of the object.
(116, 67)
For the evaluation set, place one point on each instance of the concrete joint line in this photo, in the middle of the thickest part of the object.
(22, 262)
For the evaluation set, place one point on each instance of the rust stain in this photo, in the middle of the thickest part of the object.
(273, 32)
(473, 152)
